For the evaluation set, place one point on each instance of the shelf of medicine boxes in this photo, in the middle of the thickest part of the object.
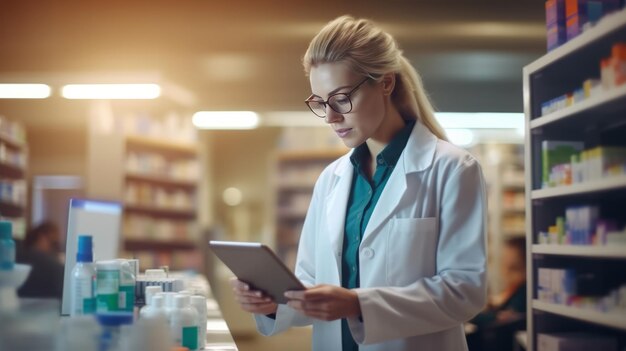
(158, 245)
(160, 145)
(289, 219)
(166, 212)
(596, 120)
(161, 180)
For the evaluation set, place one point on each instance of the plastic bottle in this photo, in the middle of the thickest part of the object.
(168, 297)
(112, 324)
(127, 286)
(82, 300)
(155, 309)
(199, 303)
(107, 286)
(7, 246)
(151, 291)
(183, 323)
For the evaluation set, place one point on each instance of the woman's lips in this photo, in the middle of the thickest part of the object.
(343, 132)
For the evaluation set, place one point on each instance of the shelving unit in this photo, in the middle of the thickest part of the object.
(153, 167)
(13, 161)
(596, 121)
(296, 173)
(503, 167)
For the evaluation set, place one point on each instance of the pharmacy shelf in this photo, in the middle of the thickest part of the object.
(162, 180)
(514, 233)
(613, 320)
(605, 101)
(158, 245)
(310, 155)
(605, 27)
(161, 145)
(609, 183)
(9, 209)
(161, 211)
(11, 142)
(513, 185)
(616, 251)
(296, 187)
(11, 171)
(514, 210)
(291, 216)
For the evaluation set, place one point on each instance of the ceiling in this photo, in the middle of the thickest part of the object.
(247, 54)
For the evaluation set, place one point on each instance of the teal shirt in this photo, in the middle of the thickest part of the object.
(364, 195)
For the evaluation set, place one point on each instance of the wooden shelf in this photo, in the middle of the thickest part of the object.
(159, 179)
(161, 145)
(132, 244)
(9, 209)
(613, 320)
(161, 211)
(514, 210)
(11, 171)
(582, 251)
(609, 183)
(308, 155)
(291, 216)
(296, 187)
(11, 142)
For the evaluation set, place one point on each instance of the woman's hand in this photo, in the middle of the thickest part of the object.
(253, 301)
(325, 302)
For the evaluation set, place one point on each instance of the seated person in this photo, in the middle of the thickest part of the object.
(505, 312)
(40, 250)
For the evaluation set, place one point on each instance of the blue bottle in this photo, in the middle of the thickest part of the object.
(7, 246)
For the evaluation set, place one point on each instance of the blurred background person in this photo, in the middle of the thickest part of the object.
(40, 249)
(506, 311)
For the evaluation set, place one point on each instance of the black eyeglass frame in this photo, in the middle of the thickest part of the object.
(325, 103)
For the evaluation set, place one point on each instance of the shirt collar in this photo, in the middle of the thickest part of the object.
(390, 154)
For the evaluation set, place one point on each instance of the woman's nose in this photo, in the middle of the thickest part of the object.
(332, 116)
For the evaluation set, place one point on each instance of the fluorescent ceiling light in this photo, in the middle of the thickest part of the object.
(111, 91)
(225, 119)
(483, 120)
(24, 91)
(460, 137)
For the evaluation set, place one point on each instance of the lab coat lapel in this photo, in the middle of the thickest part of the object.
(336, 204)
(389, 200)
(418, 155)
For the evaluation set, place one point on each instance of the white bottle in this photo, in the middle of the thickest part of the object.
(184, 323)
(150, 292)
(155, 309)
(199, 303)
(83, 284)
(168, 305)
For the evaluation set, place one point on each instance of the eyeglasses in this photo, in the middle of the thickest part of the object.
(339, 102)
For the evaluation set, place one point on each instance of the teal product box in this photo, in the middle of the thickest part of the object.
(557, 153)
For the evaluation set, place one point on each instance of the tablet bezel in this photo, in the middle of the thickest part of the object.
(244, 260)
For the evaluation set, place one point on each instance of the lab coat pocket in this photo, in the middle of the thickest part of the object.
(411, 250)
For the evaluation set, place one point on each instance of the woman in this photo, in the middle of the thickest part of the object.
(393, 245)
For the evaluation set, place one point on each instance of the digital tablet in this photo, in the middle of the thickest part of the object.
(257, 265)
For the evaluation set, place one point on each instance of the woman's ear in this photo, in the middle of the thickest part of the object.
(388, 82)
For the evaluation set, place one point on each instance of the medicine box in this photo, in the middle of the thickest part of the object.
(555, 23)
(555, 153)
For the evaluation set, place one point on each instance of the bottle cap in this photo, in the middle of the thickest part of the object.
(151, 291)
(181, 301)
(158, 301)
(5, 230)
(85, 249)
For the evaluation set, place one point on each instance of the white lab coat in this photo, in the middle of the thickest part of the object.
(422, 257)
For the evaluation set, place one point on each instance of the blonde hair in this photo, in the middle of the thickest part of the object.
(371, 52)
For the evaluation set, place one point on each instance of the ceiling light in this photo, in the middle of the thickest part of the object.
(24, 91)
(225, 119)
(111, 91)
(483, 120)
